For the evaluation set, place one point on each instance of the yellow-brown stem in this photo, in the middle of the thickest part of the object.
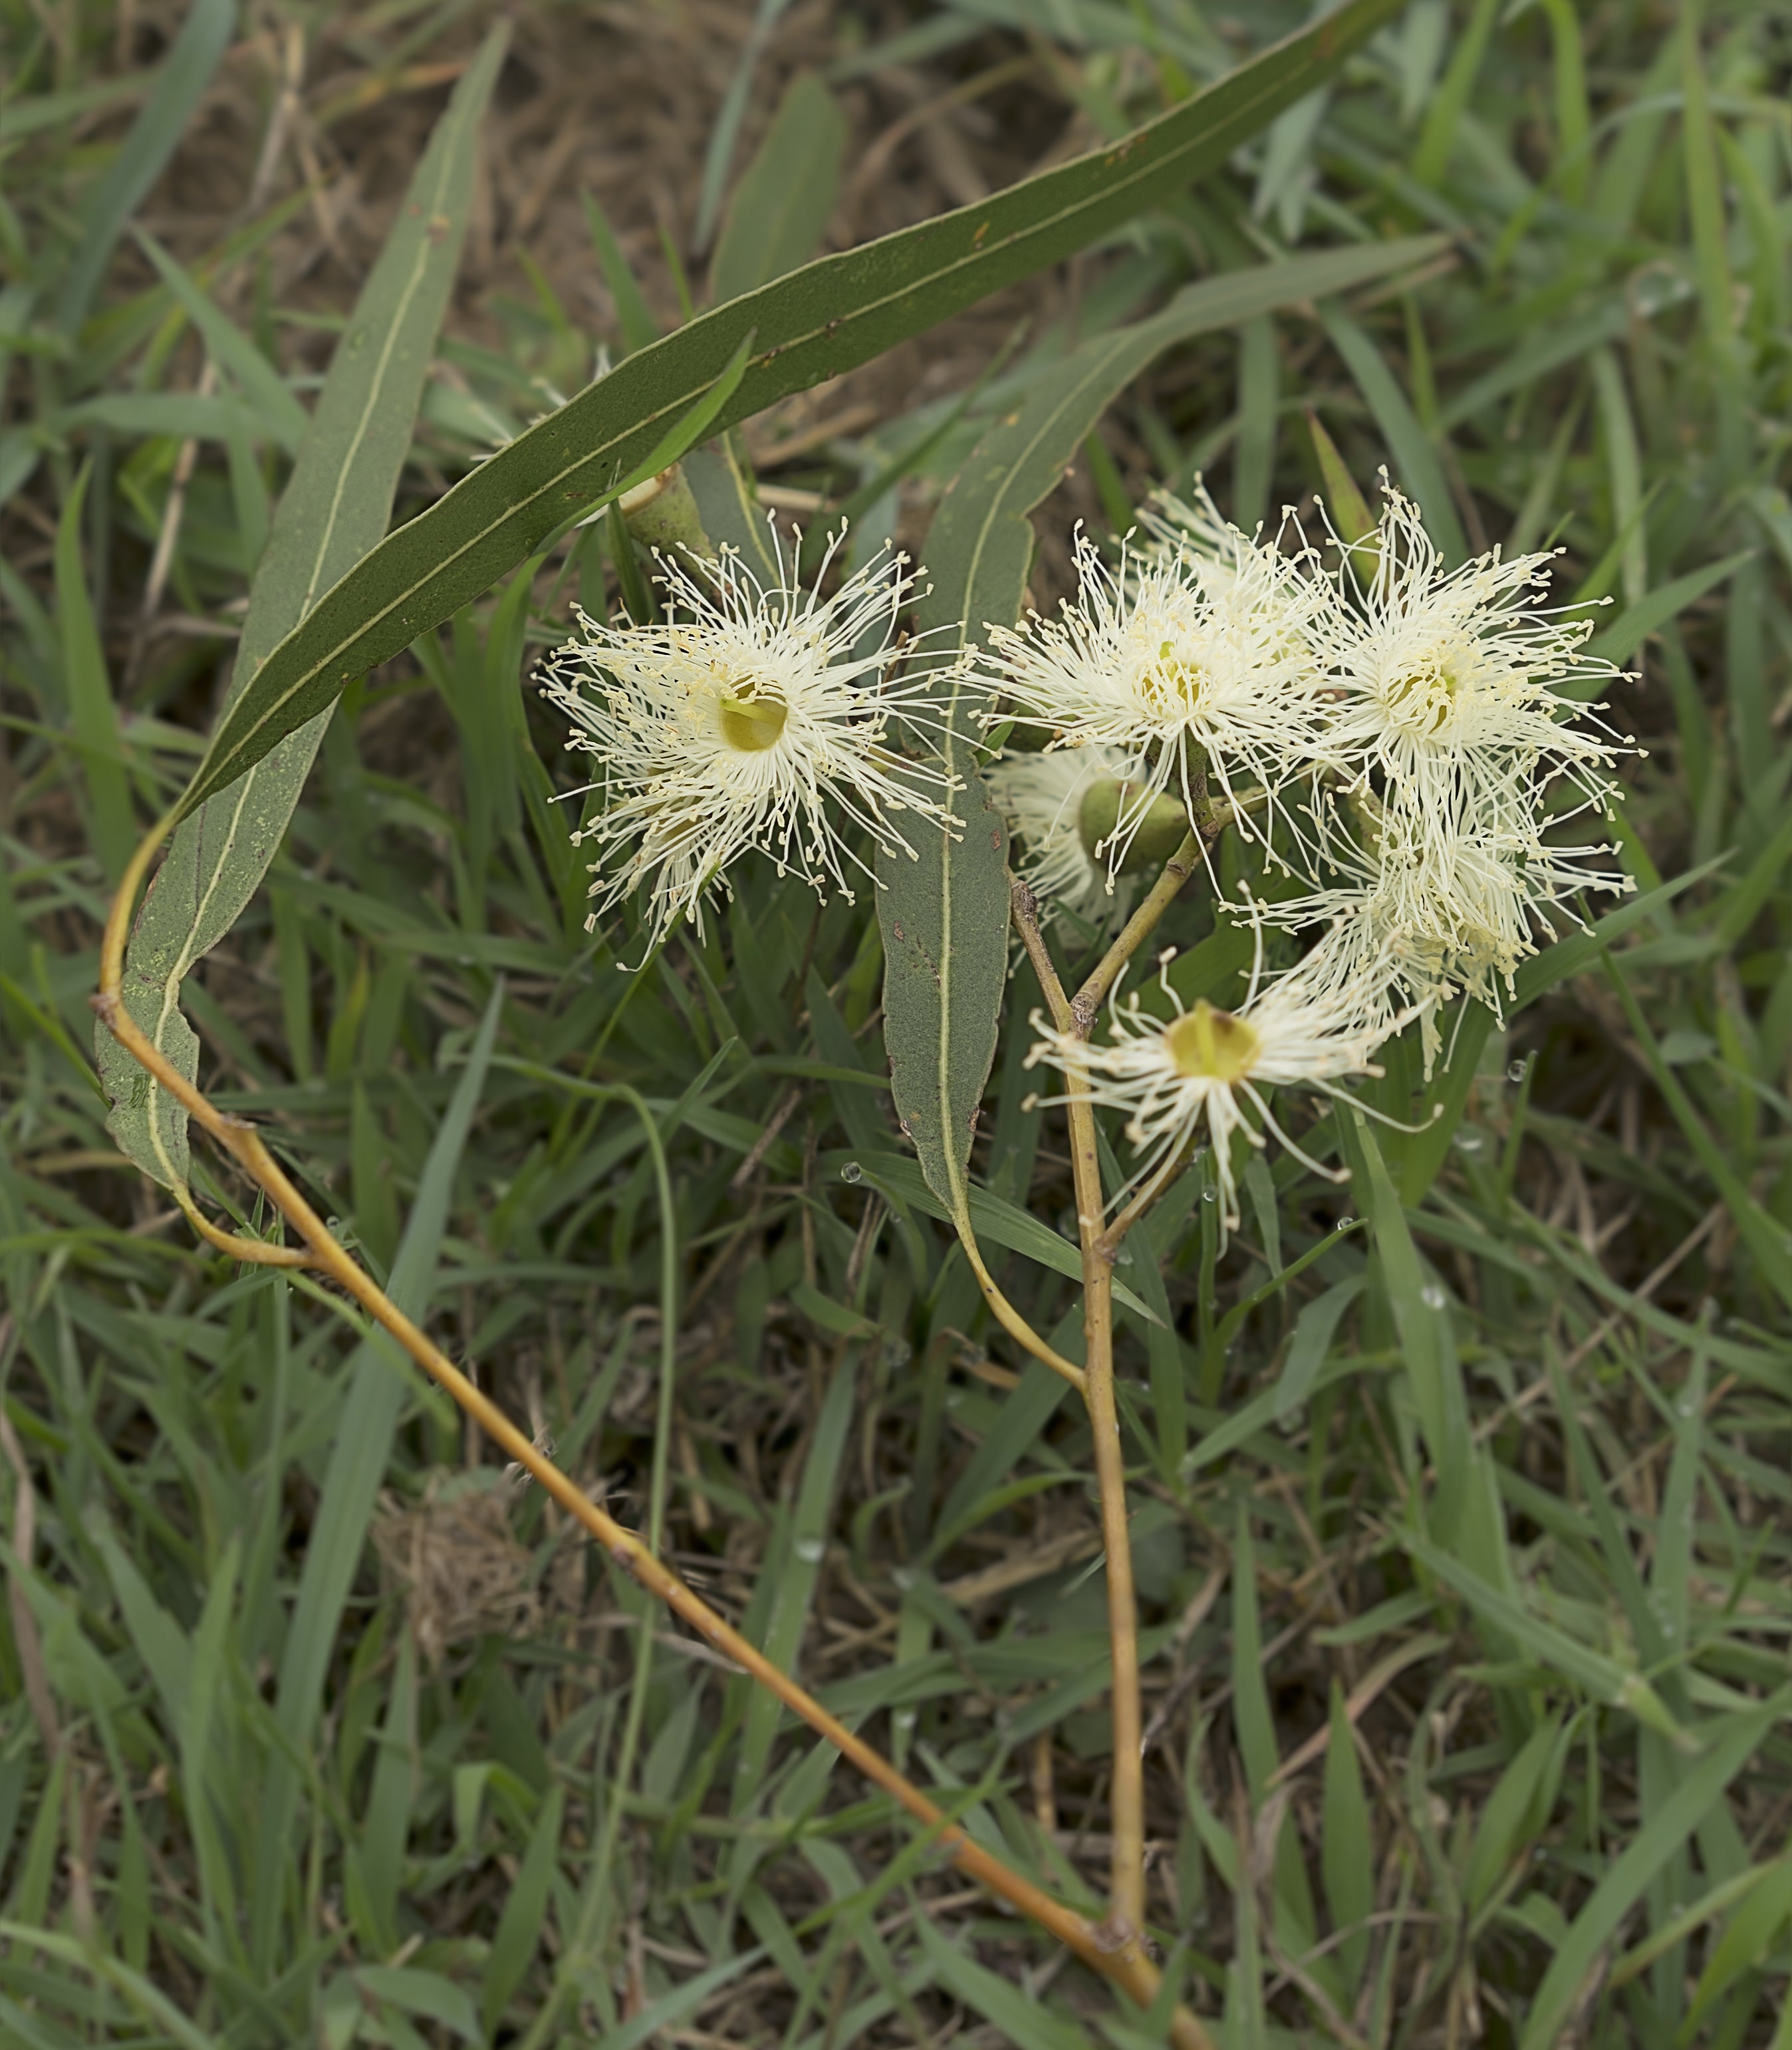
(1026, 909)
(1010, 1318)
(1136, 930)
(1114, 1948)
(1126, 1897)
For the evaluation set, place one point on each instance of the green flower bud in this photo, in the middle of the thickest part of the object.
(1160, 833)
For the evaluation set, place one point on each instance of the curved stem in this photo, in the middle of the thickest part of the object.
(1008, 1317)
(1114, 1948)
(252, 1252)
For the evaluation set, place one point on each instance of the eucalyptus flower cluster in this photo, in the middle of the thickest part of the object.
(1399, 737)
(1402, 741)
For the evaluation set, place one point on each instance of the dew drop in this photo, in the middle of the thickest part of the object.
(905, 1718)
(1433, 1297)
(1346, 1223)
(851, 1172)
(1517, 1070)
(1467, 1141)
(1208, 1196)
(812, 1551)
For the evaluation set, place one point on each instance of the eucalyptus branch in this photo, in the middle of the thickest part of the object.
(1127, 1880)
(1142, 923)
(1127, 1876)
(1115, 1948)
(1025, 907)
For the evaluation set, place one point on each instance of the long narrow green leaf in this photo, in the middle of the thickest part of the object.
(1763, 1235)
(1569, 956)
(778, 211)
(332, 512)
(92, 715)
(1620, 640)
(821, 321)
(1415, 458)
(278, 412)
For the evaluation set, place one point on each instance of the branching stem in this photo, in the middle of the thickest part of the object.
(1075, 1018)
(1114, 1948)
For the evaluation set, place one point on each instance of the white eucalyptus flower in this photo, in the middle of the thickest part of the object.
(1194, 659)
(1447, 899)
(754, 715)
(1314, 1024)
(1447, 680)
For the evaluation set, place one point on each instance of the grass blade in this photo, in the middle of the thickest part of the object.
(198, 51)
(779, 211)
(377, 1388)
(92, 716)
(1625, 1880)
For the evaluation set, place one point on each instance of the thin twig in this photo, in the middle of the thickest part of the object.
(1126, 1882)
(1149, 1197)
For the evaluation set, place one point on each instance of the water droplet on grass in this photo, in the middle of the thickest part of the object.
(851, 1172)
(812, 1551)
(1433, 1297)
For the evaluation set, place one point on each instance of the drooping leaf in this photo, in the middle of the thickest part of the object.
(944, 914)
(333, 510)
(825, 319)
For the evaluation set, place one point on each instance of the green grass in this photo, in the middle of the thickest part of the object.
(1464, 1552)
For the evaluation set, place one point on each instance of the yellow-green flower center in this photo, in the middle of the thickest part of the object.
(1172, 680)
(1422, 696)
(1211, 1045)
(751, 718)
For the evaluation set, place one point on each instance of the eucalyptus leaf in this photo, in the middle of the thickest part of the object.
(822, 319)
(333, 510)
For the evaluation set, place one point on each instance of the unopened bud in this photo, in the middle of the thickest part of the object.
(662, 513)
(1157, 836)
